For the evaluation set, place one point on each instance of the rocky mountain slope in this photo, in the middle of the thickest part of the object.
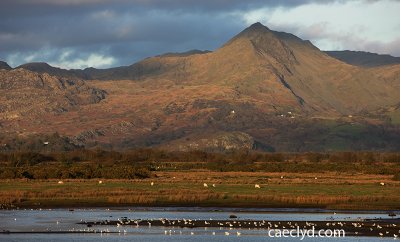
(262, 89)
(25, 94)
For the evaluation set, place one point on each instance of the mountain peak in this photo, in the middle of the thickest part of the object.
(253, 32)
(254, 29)
(257, 25)
(262, 41)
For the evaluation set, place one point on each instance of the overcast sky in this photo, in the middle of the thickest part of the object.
(105, 33)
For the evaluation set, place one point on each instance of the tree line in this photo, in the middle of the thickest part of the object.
(151, 155)
(139, 163)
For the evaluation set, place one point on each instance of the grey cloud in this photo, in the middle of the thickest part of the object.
(127, 30)
(127, 36)
(345, 41)
(27, 8)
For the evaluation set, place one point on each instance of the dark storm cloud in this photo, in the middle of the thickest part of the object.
(126, 35)
(31, 6)
(126, 30)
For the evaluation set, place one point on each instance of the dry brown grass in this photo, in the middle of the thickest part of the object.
(232, 189)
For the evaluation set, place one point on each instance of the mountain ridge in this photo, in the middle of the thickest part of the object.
(261, 87)
(289, 65)
(363, 58)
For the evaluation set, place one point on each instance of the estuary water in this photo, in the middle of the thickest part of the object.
(56, 220)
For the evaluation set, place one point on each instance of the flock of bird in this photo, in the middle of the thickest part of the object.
(362, 228)
(380, 227)
(357, 228)
(257, 186)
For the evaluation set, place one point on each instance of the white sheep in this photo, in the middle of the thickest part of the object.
(60, 182)
(205, 185)
(257, 186)
(100, 182)
(152, 184)
(382, 183)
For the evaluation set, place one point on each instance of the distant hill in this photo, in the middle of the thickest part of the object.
(364, 59)
(187, 53)
(4, 66)
(42, 67)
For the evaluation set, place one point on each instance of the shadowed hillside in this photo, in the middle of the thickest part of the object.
(4, 66)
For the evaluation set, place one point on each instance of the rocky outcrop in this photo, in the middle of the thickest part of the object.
(37, 143)
(23, 92)
(218, 142)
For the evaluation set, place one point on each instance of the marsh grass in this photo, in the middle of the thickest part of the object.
(232, 189)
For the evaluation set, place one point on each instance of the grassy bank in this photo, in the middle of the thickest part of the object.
(234, 189)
